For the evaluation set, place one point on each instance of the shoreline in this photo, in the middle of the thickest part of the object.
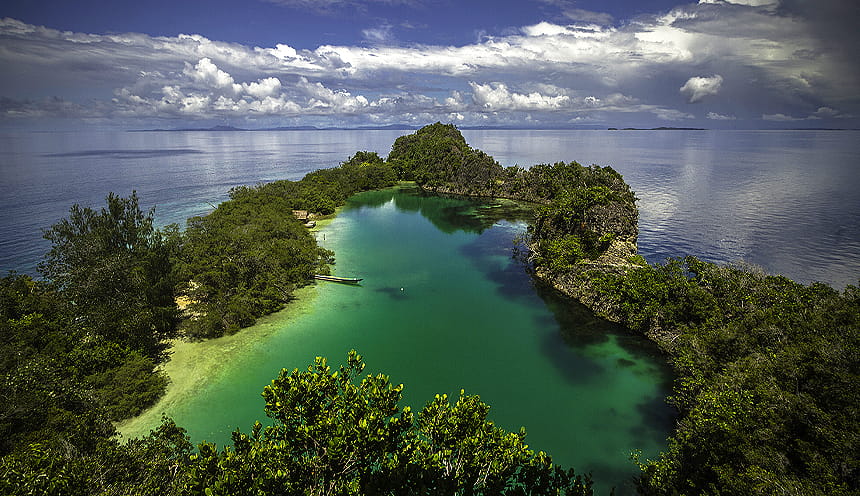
(193, 364)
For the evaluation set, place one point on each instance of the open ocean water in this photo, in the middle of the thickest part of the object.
(788, 201)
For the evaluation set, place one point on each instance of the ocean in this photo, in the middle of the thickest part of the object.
(788, 201)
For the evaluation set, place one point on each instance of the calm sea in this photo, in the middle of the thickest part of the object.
(788, 201)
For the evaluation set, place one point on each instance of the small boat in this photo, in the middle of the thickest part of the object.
(344, 280)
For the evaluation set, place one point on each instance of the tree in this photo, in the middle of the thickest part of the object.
(334, 434)
(114, 268)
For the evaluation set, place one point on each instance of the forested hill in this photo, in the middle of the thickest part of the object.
(585, 216)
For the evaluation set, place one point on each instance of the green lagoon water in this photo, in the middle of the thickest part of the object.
(445, 306)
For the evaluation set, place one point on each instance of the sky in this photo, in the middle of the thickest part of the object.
(717, 64)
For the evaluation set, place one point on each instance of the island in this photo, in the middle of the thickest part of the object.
(766, 369)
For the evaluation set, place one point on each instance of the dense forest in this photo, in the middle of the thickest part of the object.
(767, 369)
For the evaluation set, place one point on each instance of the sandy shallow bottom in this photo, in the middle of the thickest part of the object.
(193, 365)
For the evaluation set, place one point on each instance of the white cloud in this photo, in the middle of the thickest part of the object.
(719, 117)
(545, 29)
(263, 88)
(827, 113)
(208, 74)
(699, 87)
(336, 101)
(381, 34)
(751, 3)
(671, 114)
(780, 118)
(821, 113)
(496, 96)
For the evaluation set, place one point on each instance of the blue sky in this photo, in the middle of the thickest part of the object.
(527, 63)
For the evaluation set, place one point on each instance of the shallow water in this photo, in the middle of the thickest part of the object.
(444, 306)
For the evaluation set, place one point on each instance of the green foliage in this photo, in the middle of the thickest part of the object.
(334, 434)
(80, 350)
(767, 378)
(560, 254)
(151, 465)
(57, 384)
(437, 156)
(570, 228)
(113, 267)
(41, 396)
(583, 208)
(246, 258)
(129, 388)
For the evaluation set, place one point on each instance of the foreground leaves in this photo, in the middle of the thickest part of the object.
(334, 434)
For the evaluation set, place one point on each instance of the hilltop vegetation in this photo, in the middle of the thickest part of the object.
(584, 214)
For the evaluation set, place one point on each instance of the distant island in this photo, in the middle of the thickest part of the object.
(407, 127)
(390, 127)
(661, 128)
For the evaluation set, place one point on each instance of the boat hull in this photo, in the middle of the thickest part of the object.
(342, 280)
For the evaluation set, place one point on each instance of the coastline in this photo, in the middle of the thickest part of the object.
(193, 363)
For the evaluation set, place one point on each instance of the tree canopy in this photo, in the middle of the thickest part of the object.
(114, 269)
(336, 432)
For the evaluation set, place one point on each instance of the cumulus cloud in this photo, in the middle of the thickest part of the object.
(496, 96)
(263, 88)
(719, 117)
(699, 87)
(827, 113)
(325, 98)
(207, 73)
(821, 113)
